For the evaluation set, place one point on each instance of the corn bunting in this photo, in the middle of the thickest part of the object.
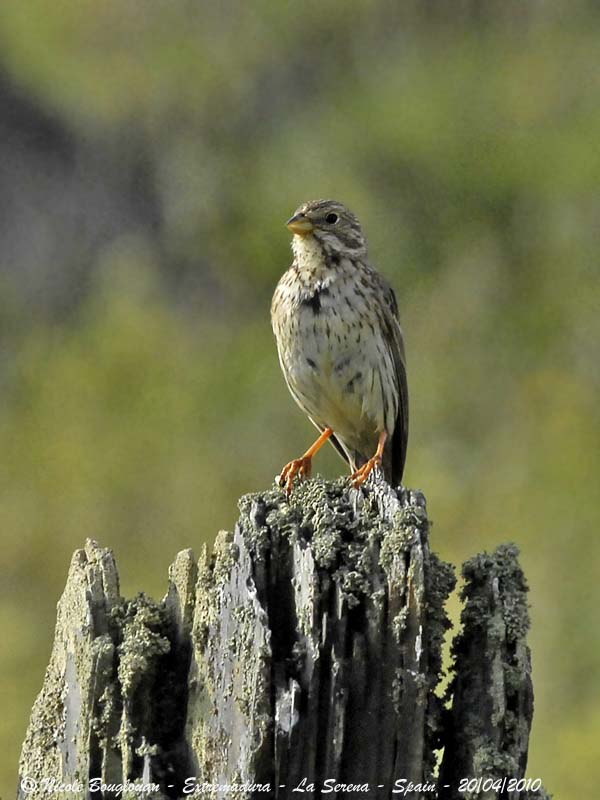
(340, 345)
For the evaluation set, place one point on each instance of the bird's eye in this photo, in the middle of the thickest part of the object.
(331, 218)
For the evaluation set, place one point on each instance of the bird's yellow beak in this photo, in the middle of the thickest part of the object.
(300, 225)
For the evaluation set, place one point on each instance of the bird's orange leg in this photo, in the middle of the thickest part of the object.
(361, 475)
(302, 466)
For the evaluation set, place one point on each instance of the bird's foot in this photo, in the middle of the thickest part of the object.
(361, 474)
(300, 467)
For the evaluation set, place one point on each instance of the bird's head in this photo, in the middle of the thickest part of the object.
(334, 227)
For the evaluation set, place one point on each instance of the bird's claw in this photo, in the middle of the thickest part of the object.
(300, 467)
(361, 474)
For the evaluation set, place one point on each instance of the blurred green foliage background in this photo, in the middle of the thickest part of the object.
(150, 154)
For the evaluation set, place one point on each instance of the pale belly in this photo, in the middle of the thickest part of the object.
(336, 369)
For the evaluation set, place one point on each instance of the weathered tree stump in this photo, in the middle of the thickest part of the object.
(304, 653)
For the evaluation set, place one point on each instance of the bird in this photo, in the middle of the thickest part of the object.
(340, 346)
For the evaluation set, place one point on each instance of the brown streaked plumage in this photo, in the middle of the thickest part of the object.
(340, 345)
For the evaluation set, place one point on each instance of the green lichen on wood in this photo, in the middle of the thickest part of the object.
(372, 547)
(228, 676)
(142, 623)
(503, 566)
(67, 715)
(492, 696)
(225, 556)
(341, 533)
(320, 615)
(180, 600)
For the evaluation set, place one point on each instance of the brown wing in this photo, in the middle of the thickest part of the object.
(395, 453)
(394, 456)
